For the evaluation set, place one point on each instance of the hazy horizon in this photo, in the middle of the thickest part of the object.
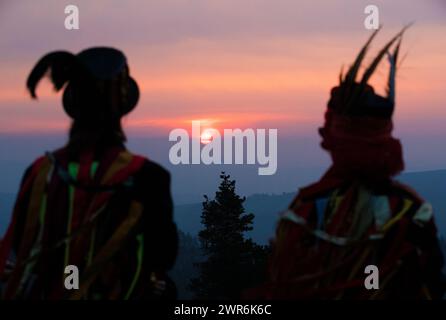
(300, 161)
(256, 64)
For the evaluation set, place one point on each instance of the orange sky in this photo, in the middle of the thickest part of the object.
(231, 65)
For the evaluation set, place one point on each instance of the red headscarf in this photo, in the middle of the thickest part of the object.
(361, 146)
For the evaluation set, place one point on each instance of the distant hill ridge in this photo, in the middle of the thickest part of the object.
(429, 184)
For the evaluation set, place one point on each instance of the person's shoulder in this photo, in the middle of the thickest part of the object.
(37, 164)
(306, 196)
(405, 191)
(319, 189)
(417, 209)
(146, 167)
(34, 168)
(154, 170)
(151, 179)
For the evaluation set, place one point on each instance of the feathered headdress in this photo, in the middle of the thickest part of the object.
(358, 123)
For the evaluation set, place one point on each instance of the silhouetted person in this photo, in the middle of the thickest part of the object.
(92, 203)
(357, 214)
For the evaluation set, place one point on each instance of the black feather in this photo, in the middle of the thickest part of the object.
(61, 65)
(372, 67)
(359, 89)
(352, 72)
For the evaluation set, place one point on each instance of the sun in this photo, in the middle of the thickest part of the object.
(206, 136)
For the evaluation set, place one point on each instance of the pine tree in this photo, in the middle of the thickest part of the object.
(232, 263)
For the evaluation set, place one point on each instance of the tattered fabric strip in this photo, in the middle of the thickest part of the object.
(339, 241)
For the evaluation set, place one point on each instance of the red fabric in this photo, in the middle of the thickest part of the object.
(6, 243)
(362, 146)
(83, 206)
(96, 201)
(119, 177)
(80, 195)
(363, 151)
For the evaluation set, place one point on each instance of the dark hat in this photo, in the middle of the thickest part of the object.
(98, 64)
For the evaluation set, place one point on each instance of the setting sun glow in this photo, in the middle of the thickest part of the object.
(206, 136)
